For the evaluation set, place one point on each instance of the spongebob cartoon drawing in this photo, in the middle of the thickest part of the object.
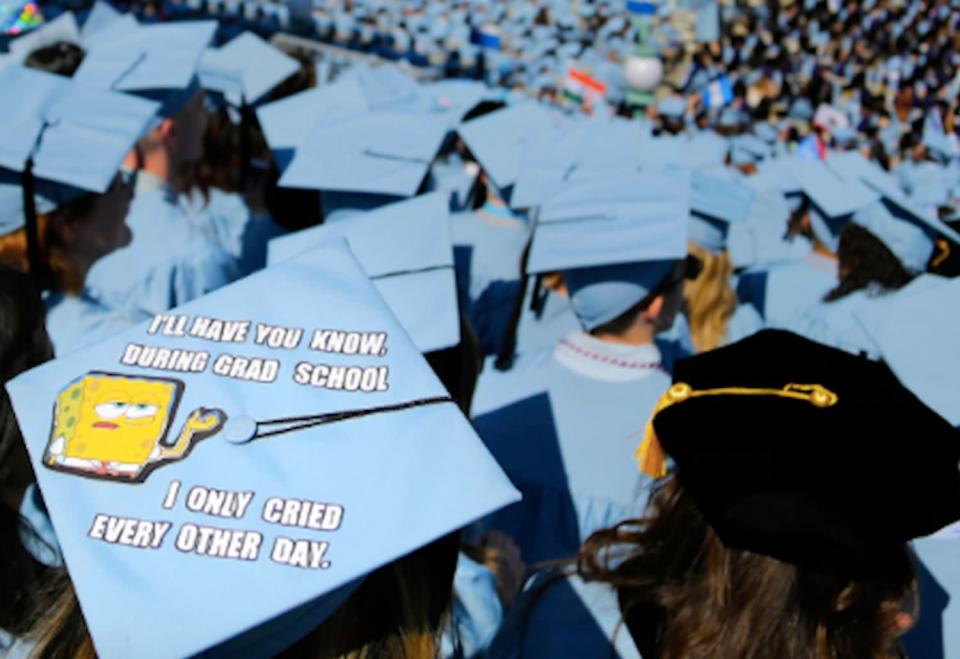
(115, 426)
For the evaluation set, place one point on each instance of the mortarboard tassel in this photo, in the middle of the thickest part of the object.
(650, 454)
(30, 217)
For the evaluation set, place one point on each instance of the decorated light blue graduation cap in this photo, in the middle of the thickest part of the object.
(497, 139)
(715, 204)
(833, 200)
(406, 251)
(226, 467)
(379, 152)
(158, 61)
(615, 238)
(585, 149)
(56, 120)
(246, 69)
(915, 329)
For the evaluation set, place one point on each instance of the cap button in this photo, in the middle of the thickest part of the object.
(240, 429)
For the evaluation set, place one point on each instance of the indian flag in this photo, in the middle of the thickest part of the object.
(718, 93)
(578, 87)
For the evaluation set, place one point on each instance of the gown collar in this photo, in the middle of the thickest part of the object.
(610, 362)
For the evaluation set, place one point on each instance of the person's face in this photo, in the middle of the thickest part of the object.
(189, 127)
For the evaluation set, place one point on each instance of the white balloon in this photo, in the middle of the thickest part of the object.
(643, 73)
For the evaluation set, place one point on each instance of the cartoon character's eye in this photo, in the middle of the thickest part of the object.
(141, 411)
(110, 410)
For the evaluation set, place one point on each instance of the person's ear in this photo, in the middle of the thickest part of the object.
(655, 308)
(166, 130)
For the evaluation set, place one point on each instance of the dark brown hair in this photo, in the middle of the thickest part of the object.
(23, 345)
(715, 601)
(866, 261)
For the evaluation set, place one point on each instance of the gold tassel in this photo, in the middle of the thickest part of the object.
(650, 453)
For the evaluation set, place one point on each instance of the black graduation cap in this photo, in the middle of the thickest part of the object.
(806, 453)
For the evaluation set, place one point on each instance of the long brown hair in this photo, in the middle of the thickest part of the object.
(717, 601)
(58, 271)
(397, 612)
(710, 299)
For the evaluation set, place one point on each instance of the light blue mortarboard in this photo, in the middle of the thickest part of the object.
(748, 149)
(916, 333)
(55, 121)
(833, 200)
(101, 15)
(673, 107)
(158, 61)
(406, 251)
(586, 149)
(386, 153)
(249, 60)
(716, 204)
(497, 139)
(287, 123)
(233, 461)
(907, 231)
(615, 238)
(106, 24)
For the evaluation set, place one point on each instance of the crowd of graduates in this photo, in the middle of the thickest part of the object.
(311, 355)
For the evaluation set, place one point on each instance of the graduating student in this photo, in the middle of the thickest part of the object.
(490, 240)
(228, 195)
(304, 495)
(913, 333)
(562, 417)
(711, 307)
(885, 246)
(74, 138)
(782, 290)
(751, 546)
(168, 262)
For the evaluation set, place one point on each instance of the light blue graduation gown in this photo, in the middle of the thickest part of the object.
(560, 617)
(782, 291)
(936, 634)
(745, 321)
(486, 249)
(227, 221)
(490, 317)
(476, 612)
(839, 323)
(564, 424)
(167, 263)
(835, 323)
(77, 321)
(455, 178)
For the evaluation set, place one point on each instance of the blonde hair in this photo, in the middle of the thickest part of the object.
(710, 299)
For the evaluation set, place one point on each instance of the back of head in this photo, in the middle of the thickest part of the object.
(718, 601)
(864, 262)
(62, 58)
